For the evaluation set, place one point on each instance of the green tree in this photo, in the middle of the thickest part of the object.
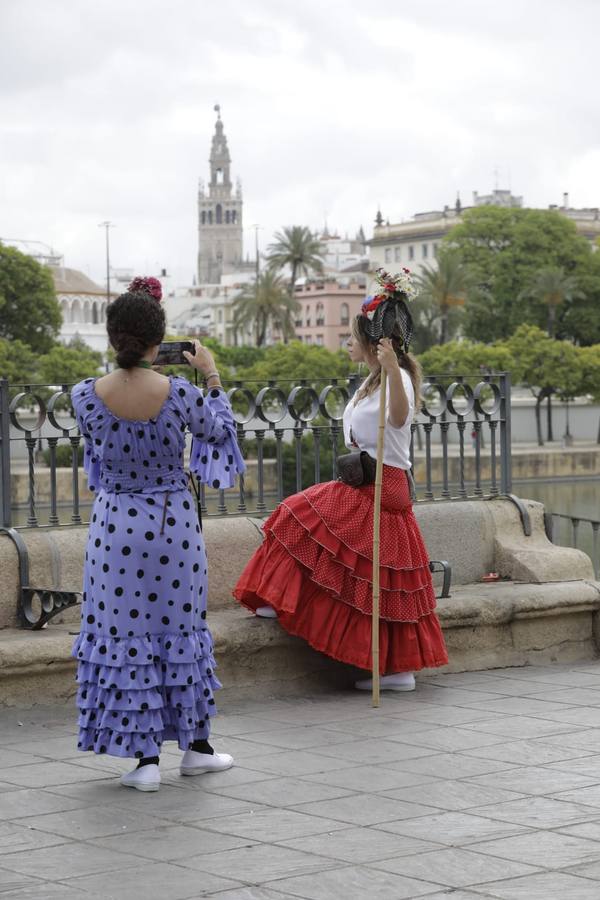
(296, 362)
(265, 304)
(29, 311)
(298, 248)
(580, 318)
(442, 291)
(17, 362)
(553, 288)
(68, 364)
(503, 249)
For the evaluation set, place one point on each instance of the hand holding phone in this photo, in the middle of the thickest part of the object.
(201, 358)
(171, 353)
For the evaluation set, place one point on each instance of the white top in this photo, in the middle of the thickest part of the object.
(363, 419)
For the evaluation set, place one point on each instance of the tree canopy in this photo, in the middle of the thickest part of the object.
(29, 311)
(297, 247)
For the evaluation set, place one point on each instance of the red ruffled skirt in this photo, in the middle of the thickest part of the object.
(315, 568)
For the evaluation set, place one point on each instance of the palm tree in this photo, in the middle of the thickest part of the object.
(443, 287)
(298, 248)
(553, 287)
(265, 303)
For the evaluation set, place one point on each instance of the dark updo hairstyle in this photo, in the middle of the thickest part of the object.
(405, 359)
(135, 321)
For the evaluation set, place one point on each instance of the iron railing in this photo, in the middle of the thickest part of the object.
(576, 531)
(291, 434)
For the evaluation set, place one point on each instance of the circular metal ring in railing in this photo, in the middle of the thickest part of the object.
(480, 404)
(265, 398)
(311, 396)
(51, 411)
(249, 397)
(453, 395)
(428, 393)
(324, 396)
(14, 406)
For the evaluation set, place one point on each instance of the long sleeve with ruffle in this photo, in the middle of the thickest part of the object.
(83, 400)
(215, 458)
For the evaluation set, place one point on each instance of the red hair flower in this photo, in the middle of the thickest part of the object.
(146, 285)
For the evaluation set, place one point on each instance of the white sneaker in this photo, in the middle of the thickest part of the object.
(147, 778)
(266, 612)
(194, 763)
(400, 681)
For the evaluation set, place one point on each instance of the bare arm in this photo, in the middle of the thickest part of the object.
(399, 403)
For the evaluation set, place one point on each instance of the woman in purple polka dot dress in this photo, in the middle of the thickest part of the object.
(146, 671)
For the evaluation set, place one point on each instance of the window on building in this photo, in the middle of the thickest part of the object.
(424, 250)
(307, 316)
(320, 314)
(227, 217)
(203, 217)
(95, 316)
(319, 340)
(397, 254)
(343, 339)
(388, 254)
(411, 252)
(219, 214)
(344, 314)
(233, 216)
(435, 250)
(219, 176)
(210, 217)
(220, 316)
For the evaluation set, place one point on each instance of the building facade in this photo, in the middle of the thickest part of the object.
(220, 210)
(416, 242)
(326, 313)
(83, 305)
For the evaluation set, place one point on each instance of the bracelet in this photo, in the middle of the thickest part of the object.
(211, 375)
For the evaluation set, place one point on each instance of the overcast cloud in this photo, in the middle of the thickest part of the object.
(331, 109)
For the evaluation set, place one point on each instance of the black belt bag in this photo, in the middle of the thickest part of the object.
(356, 468)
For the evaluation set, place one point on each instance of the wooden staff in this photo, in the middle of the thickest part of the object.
(376, 532)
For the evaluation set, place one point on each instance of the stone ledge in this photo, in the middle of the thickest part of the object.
(486, 626)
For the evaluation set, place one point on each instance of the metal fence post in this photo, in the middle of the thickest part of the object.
(5, 482)
(505, 437)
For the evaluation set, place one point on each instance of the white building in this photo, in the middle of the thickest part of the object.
(83, 305)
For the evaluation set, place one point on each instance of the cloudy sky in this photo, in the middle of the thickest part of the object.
(331, 107)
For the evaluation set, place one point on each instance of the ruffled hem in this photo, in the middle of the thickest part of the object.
(339, 630)
(135, 693)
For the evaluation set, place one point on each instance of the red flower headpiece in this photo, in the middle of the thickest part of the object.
(146, 285)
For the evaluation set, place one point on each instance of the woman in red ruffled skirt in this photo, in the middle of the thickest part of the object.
(314, 569)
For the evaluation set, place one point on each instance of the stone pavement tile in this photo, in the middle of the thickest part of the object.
(354, 883)
(465, 679)
(370, 779)
(398, 726)
(259, 863)
(364, 809)
(547, 849)
(453, 829)
(67, 861)
(283, 792)
(452, 795)
(451, 739)
(570, 696)
(589, 796)
(12, 881)
(295, 738)
(310, 712)
(91, 822)
(273, 824)
(214, 781)
(49, 891)
(451, 696)
(372, 752)
(590, 870)
(534, 780)
(17, 837)
(545, 886)
(167, 843)
(184, 805)
(449, 766)
(530, 751)
(581, 738)
(444, 715)
(45, 774)
(454, 894)
(159, 881)
(538, 812)
(360, 845)
(521, 706)
(454, 867)
(516, 727)
(33, 802)
(59, 747)
(510, 687)
(586, 716)
(584, 765)
(14, 757)
(249, 893)
(300, 762)
(222, 726)
(589, 829)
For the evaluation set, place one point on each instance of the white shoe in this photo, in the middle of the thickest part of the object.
(266, 612)
(400, 681)
(194, 763)
(146, 778)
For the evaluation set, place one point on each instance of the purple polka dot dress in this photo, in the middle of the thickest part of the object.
(146, 672)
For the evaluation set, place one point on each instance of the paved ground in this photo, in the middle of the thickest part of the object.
(477, 785)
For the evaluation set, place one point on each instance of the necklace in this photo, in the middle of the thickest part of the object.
(142, 364)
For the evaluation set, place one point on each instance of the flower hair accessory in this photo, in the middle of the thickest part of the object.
(387, 308)
(146, 285)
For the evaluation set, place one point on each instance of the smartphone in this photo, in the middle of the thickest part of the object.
(171, 353)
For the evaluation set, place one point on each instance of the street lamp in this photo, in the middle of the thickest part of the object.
(107, 226)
